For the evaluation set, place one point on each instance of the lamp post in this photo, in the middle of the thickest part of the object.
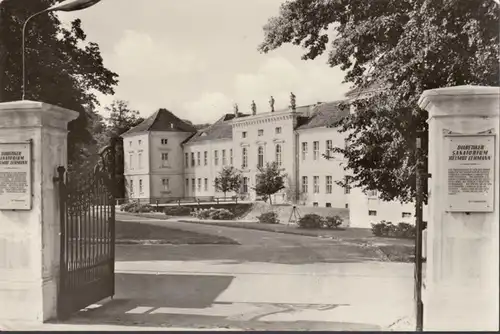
(65, 6)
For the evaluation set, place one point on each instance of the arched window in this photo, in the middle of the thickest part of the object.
(260, 154)
(278, 154)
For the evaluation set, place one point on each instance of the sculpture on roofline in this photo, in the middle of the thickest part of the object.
(293, 105)
(254, 108)
(271, 103)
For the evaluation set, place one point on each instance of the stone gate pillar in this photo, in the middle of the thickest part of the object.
(33, 142)
(461, 281)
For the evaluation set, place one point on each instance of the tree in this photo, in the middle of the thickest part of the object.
(62, 67)
(403, 47)
(229, 179)
(270, 180)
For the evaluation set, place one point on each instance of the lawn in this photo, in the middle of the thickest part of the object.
(141, 233)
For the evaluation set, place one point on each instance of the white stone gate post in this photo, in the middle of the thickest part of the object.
(461, 281)
(29, 234)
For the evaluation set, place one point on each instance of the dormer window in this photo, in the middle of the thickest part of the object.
(164, 141)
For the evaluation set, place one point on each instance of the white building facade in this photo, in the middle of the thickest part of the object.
(167, 159)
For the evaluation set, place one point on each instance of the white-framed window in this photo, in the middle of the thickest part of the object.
(328, 205)
(406, 215)
(186, 157)
(244, 134)
(328, 148)
(260, 156)
(164, 141)
(277, 130)
(164, 159)
(347, 188)
(244, 157)
(206, 184)
(260, 132)
(372, 213)
(141, 188)
(216, 158)
(199, 184)
(198, 158)
(139, 157)
(205, 158)
(192, 159)
(187, 185)
(131, 189)
(316, 184)
(140, 142)
(316, 150)
(130, 143)
(304, 184)
(304, 150)
(231, 156)
(278, 154)
(329, 184)
(193, 185)
(131, 161)
(315, 204)
(166, 184)
(244, 185)
(224, 161)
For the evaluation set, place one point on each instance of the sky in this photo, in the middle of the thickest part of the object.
(197, 58)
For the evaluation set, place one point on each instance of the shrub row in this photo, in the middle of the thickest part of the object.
(217, 214)
(388, 229)
(314, 221)
(177, 210)
(269, 218)
(136, 207)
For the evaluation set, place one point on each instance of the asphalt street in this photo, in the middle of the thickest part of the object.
(270, 281)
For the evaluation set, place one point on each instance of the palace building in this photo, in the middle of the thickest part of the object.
(166, 159)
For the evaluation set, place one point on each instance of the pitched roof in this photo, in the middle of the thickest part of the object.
(162, 120)
(324, 115)
(221, 129)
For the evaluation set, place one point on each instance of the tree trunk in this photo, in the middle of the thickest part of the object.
(270, 201)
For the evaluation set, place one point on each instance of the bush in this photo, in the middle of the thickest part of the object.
(136, 208)
(388, 229)
(269, 218)
(333, 222)
(216, 214)
(177, 210)
(311, 221)
(125, 207)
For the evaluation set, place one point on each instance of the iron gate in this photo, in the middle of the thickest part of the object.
(87, 214)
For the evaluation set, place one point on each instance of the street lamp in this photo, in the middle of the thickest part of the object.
(65, 6)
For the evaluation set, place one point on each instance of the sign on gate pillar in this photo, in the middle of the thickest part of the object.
(461, 285)
(33, 143)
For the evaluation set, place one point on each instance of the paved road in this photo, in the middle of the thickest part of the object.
(270, 281)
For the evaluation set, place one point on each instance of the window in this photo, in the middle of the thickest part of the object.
(205, 158)
(244, 134)
(164, 159)
(315, 204)
(198, 158)
(304, 150)
(193, 185)
(406, 214)
(328, 149)
(192, 159)
(328, 205)
(199, 184)
(166, 184)
(316, 150)
(224, 158)
(260, 132)
(244, 157)
(329, 184)
(130, 161)
(130, 143)
(347, 206)
(164, 141)
(371, 193)
(278, 154)
(244, 185)
(316, 184)
(140, 142)
(131, 189)
(187, 185)
(216, 157)
(231, 157)
(260, 156)
(304, 184)
(278, 130)
(206, 184)
(139, 157)
(372, 213)
(186, 156)
(347, 188)
(140, 187)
